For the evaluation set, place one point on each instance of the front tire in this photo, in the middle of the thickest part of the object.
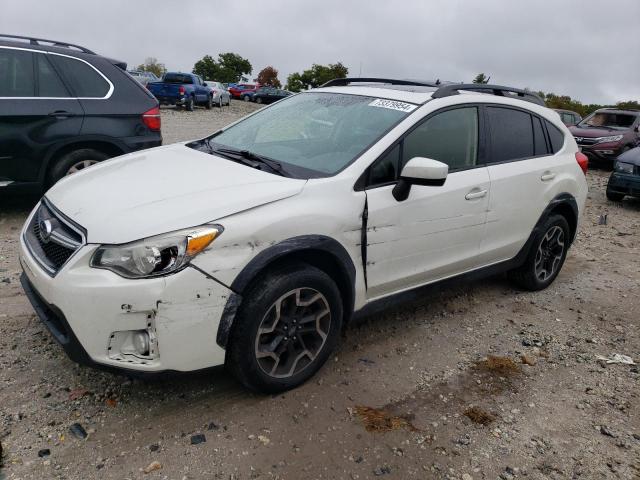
(286, 328)
(546, 257)
(247, 98)
(259, 100)
(614, 197)
(74, 162)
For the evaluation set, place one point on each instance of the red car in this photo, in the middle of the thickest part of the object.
(244, 91)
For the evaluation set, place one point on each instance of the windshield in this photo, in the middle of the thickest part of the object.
(617, 121)
(320, 132)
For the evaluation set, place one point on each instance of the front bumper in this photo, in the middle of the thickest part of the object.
(624, 183)
(88, 310)
(601, 151)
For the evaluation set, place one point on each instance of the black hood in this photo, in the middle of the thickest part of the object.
(631, 156)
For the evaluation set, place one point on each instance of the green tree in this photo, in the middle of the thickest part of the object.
(316, 76)
(152, 65)
(207, 68)
(481, 78)
(229, 67)
(269, 76)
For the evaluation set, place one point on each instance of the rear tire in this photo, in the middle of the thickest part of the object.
(220, 102)
(546, 257)
(285, 329)
(209, 103)
(258, 100)
(189, 105)
(73, 162)
(247, 98)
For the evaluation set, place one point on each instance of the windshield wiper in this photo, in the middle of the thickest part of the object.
(249, 158)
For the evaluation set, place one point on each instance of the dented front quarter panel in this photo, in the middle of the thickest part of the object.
(312, 212)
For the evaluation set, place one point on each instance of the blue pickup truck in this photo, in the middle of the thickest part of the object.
(183, 90)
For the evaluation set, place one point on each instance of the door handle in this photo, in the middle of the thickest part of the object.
(61, 114)
(473, 194)
(546, 176)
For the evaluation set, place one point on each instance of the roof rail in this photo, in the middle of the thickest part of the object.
(454, 89)
(54, 43)
(341, 82)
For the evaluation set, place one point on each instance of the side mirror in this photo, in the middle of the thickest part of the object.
(420, 171)
(204, 84)
(637, 129)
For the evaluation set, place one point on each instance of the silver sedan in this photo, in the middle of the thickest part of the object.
(221, 95)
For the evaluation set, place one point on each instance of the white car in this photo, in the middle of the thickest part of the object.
(255, 246)
(221, 95)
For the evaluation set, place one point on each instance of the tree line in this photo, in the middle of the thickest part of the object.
(230, 68)
(565, 102)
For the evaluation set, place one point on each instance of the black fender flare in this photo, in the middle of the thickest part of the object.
(559, 200)
(291, 247)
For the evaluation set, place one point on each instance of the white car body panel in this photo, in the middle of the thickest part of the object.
(435, 234)
(195, 187)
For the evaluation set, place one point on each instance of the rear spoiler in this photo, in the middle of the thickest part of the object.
(118, 63)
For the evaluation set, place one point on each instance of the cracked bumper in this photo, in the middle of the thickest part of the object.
(84, 307)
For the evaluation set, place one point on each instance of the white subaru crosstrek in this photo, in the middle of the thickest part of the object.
(255, 246)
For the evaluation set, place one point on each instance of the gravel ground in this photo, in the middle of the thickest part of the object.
(472, 381)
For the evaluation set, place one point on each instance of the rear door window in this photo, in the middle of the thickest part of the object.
(49, 83)
(511, 134)
(83, 79)
(16, 73)
(540, 144)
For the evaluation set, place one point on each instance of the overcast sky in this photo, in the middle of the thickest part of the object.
(587, 49)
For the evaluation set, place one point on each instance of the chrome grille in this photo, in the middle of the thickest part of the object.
(51, 238)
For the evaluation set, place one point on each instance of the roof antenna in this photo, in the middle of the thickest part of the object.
(437, 81)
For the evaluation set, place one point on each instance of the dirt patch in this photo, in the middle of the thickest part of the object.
(479, 415)
(502, 366)
(377, 420)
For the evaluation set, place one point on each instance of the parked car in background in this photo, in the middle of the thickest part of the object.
(244, 91)
(143, 77)
(607, 133)
(625, 178)
(568, 117)
(64, 108)
(269, 95)
(183, 90)
(253, 247)
(221, 95)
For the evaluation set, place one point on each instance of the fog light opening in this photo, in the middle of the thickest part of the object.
(141, 342)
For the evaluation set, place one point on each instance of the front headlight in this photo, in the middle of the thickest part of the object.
(624, 167)
(155, 256)
(612, 138)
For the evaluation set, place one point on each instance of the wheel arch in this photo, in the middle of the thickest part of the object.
(319, 251)
(108, 147)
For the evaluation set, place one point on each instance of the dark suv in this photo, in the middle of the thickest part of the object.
(607, 133)
(64, 108)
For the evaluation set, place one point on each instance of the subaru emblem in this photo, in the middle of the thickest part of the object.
(45, 230)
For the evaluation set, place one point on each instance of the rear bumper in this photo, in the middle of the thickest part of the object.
(626, 184)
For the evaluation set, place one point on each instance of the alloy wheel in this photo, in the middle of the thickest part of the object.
(81, 165)
(550, 253)
(293, 332)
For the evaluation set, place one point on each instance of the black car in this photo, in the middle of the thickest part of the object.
(64, 108)
(625, 178)
(269, 95)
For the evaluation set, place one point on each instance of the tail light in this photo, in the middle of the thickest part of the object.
(583, 161)
(181, 90)
(151, 118)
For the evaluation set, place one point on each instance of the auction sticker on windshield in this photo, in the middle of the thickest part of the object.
(393, 105)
